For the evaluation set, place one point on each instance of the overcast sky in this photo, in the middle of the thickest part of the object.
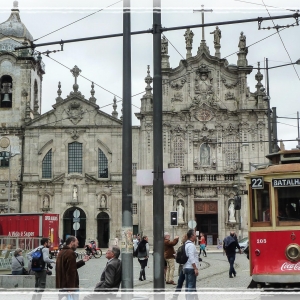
(101, 60)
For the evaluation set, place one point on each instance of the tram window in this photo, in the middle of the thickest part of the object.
(261, 211)
(288, 206)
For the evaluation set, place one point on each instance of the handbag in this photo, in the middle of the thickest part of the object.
(24, 271)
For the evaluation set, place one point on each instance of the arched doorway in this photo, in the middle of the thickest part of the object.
(103, 229)
(68, 225)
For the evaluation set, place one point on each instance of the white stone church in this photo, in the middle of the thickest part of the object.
(70, 157)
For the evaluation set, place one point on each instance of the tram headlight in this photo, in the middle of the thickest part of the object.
(292, 252)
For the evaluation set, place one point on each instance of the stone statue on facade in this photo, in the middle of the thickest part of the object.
(231, 211)
(102, 202)
(180, 211)
(189, 37)
(242, 42)
(217, 36)
(164, 45)
(204, 155)
(75, 193)
(46, 203)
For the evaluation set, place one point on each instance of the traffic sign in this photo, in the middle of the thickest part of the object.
(76, 213)
(76, 220)
(192, 224)
(76, 226)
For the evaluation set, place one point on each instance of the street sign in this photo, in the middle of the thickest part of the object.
(76, 220)
(192, 224)
(76, 226)
(76, 213)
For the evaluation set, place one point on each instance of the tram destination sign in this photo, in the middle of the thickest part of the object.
(257, 183)
(286, 182)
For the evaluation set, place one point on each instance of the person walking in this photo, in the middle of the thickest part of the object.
(143, 255)
(190, 268)
(41, 276)
(17, 263)
(169, 254)
(202, 244)
(229, 245)
(111, 276)
(181, 275)
(67, 279)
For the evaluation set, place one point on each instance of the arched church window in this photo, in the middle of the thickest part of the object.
(6, 91)
(47, 165)
(178, 153)
(102, 165)
(4, 159)
(75, 158)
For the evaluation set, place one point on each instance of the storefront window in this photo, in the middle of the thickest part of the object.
(261, 211)
(288, 205)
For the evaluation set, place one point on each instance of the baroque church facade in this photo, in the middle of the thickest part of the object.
(70, 157)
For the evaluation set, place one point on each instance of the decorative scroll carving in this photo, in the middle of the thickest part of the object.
(230, 85)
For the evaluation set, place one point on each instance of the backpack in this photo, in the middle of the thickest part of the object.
(181, 257)
(37, 262)
(141, 247)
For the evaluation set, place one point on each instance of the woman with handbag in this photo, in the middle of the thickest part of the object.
(17, 263)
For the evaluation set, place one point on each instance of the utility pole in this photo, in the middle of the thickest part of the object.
(127, 259)
(158, 182)
(269, 109)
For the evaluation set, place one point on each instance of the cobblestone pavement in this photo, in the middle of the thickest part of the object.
(213, 281)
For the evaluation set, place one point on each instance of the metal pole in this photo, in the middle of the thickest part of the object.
(269, 110)
(9, 158)
(158, 182)
(127, 259)
(274, 127)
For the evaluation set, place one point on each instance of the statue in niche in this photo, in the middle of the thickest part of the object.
(102, 201)
(242, 42)
(231, 211)
(75, 193)
(217, 36)
(46, 202)
(180, 211)
(204, 155)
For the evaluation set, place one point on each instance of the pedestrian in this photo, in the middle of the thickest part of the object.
(67, 279)
(202, 244)
(181, 275)
(136, 240)
(111, 276)
(41, 276)
(143, 255)
(229, 245)
(17, 262)
(190, 268)
(169, 255)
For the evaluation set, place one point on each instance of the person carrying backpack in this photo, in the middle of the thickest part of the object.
(39, 258)
(143, 255)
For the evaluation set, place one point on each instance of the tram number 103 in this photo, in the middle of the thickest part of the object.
(257, 183)
(261, 241)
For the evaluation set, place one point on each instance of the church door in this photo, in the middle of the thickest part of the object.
(207, 220)
(103, 230)
(68, 226)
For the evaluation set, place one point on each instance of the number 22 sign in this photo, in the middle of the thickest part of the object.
(257, 183)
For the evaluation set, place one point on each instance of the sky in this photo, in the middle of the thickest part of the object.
(101, 60)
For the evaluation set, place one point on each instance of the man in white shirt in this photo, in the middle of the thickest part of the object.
(190, 268)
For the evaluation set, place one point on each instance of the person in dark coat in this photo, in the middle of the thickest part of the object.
(111, 276)
(67, 278)
(143, 255)
(230, 243)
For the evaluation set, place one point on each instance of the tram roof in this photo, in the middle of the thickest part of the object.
(276, 169)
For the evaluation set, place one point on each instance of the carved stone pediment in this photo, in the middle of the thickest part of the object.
(58, 178)
(205, 192)
(75, 133)
(89, 178)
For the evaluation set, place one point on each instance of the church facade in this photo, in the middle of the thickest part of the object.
(70, 158)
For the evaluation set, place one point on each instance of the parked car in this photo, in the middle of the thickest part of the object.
(244, 243)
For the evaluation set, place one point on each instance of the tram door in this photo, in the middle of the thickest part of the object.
(103, 230)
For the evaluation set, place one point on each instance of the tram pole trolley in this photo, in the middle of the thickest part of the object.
(274, 220)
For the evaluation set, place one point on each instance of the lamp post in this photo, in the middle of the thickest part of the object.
(268, 98)
(10, 155)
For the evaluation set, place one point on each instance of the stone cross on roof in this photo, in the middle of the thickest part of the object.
(15, 3)
(75, 71)
(202, 12)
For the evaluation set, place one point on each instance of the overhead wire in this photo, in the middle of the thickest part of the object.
(265, 5)
(282, 41)
(77, 20)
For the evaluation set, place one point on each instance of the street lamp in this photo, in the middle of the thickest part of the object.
(268, 98)
(10, 155)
